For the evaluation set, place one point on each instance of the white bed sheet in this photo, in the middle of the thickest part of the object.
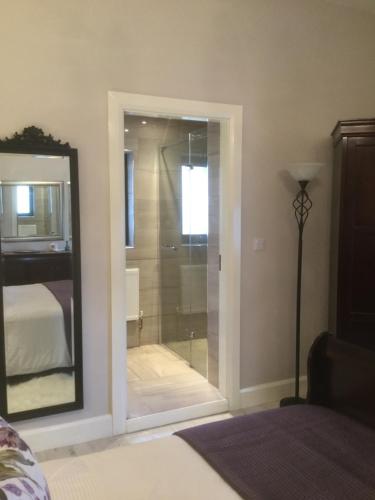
(34, 330)
(163, 469)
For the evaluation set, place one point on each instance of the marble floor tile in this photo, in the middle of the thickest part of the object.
(161, 380)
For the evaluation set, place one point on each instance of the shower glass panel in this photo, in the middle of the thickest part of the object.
(189, 213)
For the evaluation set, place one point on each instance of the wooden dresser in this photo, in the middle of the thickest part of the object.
(21, 268)
(352, 280)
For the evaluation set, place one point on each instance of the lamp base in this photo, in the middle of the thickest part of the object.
(292, 401)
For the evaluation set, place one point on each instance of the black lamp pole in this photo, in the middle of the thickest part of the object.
(302, 205)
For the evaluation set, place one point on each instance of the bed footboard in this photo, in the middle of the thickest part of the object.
(341, 376)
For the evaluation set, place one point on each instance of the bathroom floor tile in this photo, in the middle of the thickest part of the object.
(160, 380)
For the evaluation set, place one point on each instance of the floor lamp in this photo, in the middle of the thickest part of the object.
(303, 173)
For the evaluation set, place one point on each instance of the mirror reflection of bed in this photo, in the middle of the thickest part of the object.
(38, 341)
(36, 265)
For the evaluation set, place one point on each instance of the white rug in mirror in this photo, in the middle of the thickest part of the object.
(40, 392)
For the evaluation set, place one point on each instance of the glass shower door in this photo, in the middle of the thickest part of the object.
(183, 194)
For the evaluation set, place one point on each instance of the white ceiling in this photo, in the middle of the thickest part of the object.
(366, 5)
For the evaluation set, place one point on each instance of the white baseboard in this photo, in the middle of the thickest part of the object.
(178, 415)
(81, 431)
(56, 436)
(268, 393)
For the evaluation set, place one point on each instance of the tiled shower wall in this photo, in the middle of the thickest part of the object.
(144, 143)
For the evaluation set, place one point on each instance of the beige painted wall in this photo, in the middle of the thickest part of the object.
(296, 66)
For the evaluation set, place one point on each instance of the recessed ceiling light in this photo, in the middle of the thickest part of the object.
(126, 130)
(144, 122)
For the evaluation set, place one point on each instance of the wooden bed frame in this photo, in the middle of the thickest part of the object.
(341, 376)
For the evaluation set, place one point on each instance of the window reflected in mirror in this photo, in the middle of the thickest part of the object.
(25, 200)
(32, 210)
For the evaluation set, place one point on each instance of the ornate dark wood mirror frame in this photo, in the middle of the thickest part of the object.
(33, 141)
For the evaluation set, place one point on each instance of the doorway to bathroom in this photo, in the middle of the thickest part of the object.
(180, 223)
(172, 209)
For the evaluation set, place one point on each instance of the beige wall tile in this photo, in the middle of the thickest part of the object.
(149, 302)
(196, 323)
(170, 299)
(145, 185)
(169, 328)
(170, 272)
(146, 155)
(148, 272)
(132, 334)
(149, 334)
(170, 237)
(146, 244)
(170, 185)
(146, 214)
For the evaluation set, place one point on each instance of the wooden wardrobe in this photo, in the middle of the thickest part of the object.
(352, 280)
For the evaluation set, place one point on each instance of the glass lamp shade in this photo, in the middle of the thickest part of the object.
(304, 171)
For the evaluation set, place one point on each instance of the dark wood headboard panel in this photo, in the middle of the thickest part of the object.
(341, 376)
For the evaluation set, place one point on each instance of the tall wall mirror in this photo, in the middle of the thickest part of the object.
(40, 296)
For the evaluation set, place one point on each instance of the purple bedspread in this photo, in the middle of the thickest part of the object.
(299, 452)
(63, 292)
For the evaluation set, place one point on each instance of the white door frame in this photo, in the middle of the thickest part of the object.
(230, 117)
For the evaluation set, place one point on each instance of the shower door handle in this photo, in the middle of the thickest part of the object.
(170, 247)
